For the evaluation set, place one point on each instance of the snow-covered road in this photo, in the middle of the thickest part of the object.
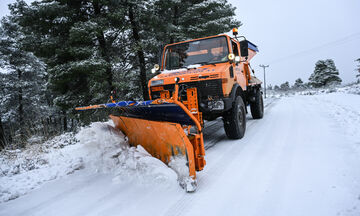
(302, 158)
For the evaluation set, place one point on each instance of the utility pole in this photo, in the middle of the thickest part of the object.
(264, 66)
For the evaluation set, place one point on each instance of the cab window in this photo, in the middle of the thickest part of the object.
(235, 48)
(204, 51)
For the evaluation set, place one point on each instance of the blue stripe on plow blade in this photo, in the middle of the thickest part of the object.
(168, 112)
(158, 112)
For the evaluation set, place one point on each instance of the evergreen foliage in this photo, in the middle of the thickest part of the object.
(22, 92)
(85, 42)
(60, 54)
(70, 37)
(299, 84)
(182, 20)
(325, 74)
(285, 86)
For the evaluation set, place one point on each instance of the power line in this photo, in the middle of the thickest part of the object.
(343, 40)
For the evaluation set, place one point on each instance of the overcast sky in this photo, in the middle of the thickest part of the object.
(293, 35)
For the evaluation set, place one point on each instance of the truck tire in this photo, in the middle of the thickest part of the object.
(235, 120)
(257, 107)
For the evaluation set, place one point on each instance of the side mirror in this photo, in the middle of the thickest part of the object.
(244, 48)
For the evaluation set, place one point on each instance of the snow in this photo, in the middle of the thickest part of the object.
(193, 66)
(344, 114)
(178, 164)
(302, 158)
(351, 89)
(173, 71)
(98, 148)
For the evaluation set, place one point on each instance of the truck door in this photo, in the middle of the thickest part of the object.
(239, 72)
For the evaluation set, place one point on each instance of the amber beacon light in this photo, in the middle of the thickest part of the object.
(235, 31)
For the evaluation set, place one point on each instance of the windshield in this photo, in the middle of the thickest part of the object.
(206, 51)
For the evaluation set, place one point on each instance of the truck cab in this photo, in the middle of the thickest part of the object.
(218, 66)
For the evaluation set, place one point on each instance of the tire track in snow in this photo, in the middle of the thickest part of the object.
(215, 132)
(78, 187)
(183, 205)
(269, 159)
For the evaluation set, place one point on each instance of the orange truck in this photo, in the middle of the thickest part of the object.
(196, 80)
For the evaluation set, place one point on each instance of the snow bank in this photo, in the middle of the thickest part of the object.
(353, 88)
(97, 148)
(350, 89)
(344, 110)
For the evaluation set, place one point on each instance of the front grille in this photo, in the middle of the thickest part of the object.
(207, 88)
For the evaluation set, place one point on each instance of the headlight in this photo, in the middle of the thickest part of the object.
(155, 68)
(216, 105)
(231, 56)
(157, 82)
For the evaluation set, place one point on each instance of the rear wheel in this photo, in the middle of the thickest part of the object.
(235, 120)
(257, 107)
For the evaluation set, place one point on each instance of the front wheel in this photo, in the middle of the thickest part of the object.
(235, 120)
(257, 107)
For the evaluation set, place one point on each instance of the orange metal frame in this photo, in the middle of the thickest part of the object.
(190, 107)
(165, 139)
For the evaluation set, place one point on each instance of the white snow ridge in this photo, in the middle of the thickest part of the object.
(98, 148)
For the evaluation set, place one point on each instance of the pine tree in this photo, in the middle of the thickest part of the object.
(138, 18)
(91, 47)
(182, 20)
(325, 74)
(22, 86)
(285, 86)
(81, 43)
(299, 84)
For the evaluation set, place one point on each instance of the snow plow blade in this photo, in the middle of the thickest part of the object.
(162, 128)
(162, 140)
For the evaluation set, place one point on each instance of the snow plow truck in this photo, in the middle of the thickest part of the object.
(196, 80)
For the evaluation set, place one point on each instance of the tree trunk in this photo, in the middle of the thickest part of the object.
(20, 107)
(103, 50)
(140, 53)
(174, 22)
(65, 121)
(2, 136)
